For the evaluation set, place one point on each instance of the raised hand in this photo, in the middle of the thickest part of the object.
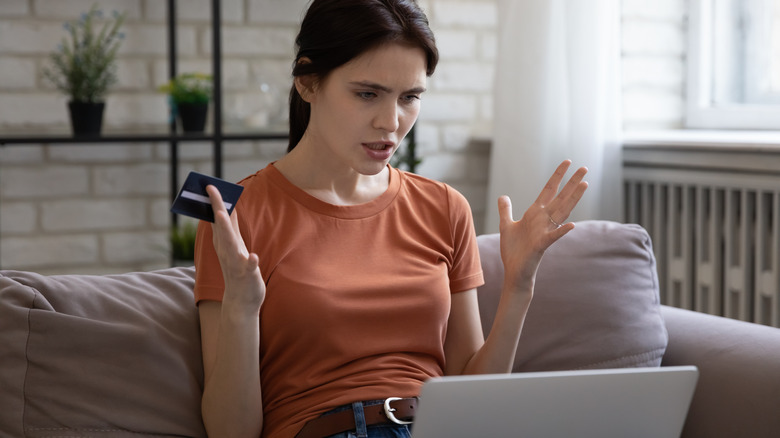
(244, 286)
(524, 242)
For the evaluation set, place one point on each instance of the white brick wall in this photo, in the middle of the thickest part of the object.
(33, 109)
(17, 73)
(92, 214)
(18, 217)
(274, 12)
(14, 8)
(104, 207)
(22, 182)
(46, 253)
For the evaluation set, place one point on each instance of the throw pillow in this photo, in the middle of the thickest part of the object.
(113, 355)
(596, 300)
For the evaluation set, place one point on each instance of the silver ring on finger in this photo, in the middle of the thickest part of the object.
(552, 221)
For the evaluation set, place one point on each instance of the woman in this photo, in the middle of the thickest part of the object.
(340, 282)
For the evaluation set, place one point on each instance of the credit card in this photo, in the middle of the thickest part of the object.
(193, 200)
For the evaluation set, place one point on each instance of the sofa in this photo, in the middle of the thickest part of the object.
(119, 355)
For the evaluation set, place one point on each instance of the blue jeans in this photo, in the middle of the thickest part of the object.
(363, 431)
(380, 431)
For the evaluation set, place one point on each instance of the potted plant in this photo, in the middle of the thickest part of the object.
(182, 239)
(189, 95)
(84, 67)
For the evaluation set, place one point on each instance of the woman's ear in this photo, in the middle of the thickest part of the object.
(305, 87)
(305, 84)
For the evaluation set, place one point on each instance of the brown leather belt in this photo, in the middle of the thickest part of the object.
(394, 410)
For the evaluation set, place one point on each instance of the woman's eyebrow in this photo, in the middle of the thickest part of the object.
(378, 87)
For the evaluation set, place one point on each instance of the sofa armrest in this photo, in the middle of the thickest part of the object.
(738, 393)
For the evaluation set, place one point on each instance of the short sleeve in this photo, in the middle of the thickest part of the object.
(466, 271)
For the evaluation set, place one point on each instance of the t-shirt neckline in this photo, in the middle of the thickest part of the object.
(317, 205)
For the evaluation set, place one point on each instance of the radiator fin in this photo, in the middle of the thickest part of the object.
(717, 246)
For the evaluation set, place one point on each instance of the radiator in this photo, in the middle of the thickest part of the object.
(716, 237)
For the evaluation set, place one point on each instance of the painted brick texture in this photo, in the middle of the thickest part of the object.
(102, 208)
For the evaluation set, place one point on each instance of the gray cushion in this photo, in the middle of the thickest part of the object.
(114, 356)
(596, 301)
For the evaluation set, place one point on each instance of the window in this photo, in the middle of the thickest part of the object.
(734, 64)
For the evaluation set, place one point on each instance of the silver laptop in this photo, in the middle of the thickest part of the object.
(624, 403)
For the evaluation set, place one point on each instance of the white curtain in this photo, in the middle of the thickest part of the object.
(557, 96)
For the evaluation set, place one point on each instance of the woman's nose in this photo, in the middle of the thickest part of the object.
(387, 117)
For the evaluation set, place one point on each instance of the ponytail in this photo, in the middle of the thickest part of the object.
(300, 111)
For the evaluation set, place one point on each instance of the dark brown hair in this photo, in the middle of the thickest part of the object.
(334, 32)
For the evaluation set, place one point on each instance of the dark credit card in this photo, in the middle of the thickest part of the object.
(193, 200)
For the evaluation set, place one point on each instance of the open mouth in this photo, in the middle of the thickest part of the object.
(380, 151)
(378, 146)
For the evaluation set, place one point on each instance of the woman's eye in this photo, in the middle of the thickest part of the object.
(410, 98)
(366, 95)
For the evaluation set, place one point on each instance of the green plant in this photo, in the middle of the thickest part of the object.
(189, 88)
(407, 157)
(84, 65)
(182, 239)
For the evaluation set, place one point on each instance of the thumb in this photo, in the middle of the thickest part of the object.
(504, 211)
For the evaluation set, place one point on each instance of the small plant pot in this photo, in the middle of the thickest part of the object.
(192, 116)
(182, 263)
(86, 118)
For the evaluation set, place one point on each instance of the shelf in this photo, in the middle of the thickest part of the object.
(216, 135)
(140, 135)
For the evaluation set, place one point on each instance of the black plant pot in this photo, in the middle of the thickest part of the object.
(86, 118)
(192, 116)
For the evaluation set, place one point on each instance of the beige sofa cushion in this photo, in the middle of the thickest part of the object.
(596, 303)
(108, 356)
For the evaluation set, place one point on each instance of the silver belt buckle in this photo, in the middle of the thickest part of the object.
(389, 411)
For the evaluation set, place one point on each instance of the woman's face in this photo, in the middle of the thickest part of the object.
(362, 110)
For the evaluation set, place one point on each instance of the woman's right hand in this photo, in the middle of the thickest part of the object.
(244, 286)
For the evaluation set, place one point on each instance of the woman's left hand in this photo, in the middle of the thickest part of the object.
(524, 242)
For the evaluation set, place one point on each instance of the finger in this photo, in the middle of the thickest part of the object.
(504, 211)
(560, 232)
(563, 204)
(573, 184)
(219, 208)
(254, 260)
(574, 198)
(234, 224)
(222, 225)
(551, 188)
(217, 205)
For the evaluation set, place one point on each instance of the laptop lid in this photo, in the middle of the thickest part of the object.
(626, 402)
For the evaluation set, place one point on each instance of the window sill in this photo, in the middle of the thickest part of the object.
(697, 139)
(756, 152)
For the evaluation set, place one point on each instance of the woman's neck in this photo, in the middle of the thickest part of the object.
(329, 182)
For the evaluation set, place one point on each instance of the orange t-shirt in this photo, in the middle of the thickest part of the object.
(357, 297)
